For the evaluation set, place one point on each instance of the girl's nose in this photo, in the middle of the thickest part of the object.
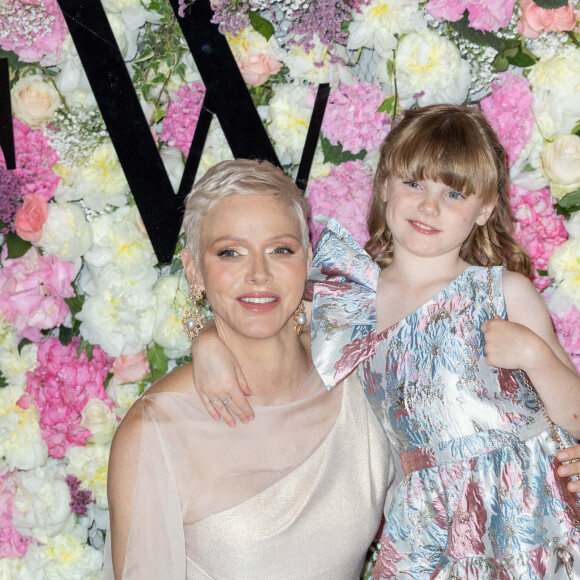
(429, 205)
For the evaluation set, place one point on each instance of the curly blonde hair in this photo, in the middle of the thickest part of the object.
(454, 145)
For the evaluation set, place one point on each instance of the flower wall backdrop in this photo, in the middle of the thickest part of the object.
(88, 319)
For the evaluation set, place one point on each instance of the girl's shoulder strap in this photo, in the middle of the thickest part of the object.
(494, 283)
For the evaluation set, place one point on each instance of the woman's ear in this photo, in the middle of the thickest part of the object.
(190, 267)
(309, 256)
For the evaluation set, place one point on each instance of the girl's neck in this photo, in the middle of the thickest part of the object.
(413, 270)
(273, 368)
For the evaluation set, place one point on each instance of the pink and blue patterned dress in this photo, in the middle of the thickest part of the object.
(480, 498)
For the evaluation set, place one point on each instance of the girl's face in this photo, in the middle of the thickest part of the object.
(428, 218)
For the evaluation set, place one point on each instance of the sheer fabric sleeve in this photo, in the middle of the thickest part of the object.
(156, 544)
(343, 285)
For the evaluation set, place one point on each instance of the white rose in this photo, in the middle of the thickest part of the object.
(34, 101)
(430, 70)
(124, 395)
(90, 466)
(98, 418)
(561, 164)
(42, 501)
(66, 233)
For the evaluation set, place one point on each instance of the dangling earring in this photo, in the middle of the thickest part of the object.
(299, 319)
(191, 319)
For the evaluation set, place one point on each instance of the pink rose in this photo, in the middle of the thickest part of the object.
(256, 69)
(31, 217)
(130, 368)
(535, 19)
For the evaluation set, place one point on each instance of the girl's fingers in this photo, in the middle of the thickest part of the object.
(569, 453)
(573, 486)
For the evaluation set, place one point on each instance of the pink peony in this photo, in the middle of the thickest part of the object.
(60, 387)
(32, 292)
(182, 115)
(12, 544)
(33, 29)
(351, 118)
(537, 227)
(256, 69)
(447, 9)
(482, 14)
(535, 20)
(34, 160)
(509, 111)
(131, 367)
(344, 194)
(31, 217)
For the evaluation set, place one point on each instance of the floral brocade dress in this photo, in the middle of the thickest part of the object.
(480, 498)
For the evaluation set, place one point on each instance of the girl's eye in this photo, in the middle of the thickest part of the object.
(228, 253)
(455, 195)
(283, 250)
(412, 184)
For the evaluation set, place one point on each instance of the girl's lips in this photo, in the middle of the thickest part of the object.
(423, 228)
(259, 302)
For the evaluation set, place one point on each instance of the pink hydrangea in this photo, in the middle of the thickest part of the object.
(537, 227)
(509, 111)
(61, 385)
(344, 194)
(351, 117)
(182, 115)
(32, 292)
(33, 29)
(34, 160)
(12, 544)
(482, 14)
(567, 327)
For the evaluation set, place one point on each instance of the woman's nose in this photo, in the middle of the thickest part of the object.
(259, 272)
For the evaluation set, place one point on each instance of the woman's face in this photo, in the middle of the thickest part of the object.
(252, 265)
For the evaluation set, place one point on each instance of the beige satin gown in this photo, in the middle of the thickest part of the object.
(297, 494)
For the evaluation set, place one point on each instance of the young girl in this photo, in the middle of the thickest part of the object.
(477, 445)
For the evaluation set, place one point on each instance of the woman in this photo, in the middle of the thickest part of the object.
(298, 492)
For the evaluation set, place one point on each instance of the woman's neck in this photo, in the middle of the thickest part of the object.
(273, 368)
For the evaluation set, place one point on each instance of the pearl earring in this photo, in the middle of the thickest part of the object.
(299, 319)
(191, 319)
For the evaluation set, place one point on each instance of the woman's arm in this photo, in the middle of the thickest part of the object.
(528, 342)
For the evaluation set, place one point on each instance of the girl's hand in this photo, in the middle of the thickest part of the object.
(573, 468)
(509, 345)
(218, 379)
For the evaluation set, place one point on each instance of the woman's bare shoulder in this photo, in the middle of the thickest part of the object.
(178, 380)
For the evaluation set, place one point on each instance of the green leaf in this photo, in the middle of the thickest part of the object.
(261, 25)
(551, 4)
(500, 63)
(334, 153)
(17, 247)
(158, 114)
(570, 199)
(521, 59)
(3, 381)
(576, 130)
(75, 304)
(390, 67)
(476, 36)
(387, 106)
(176, 265)
(65, 334)
(542, 272)
(158, 361)
(87, 347)
(23, 343)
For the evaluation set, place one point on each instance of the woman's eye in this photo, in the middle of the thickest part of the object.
(228, 253)
(283, 250)
(455, 195)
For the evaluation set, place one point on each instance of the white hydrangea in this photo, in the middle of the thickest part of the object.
(172, 301)
(316, 66)
(66, 233)
(121, 253)
(42, 501)
(377, 25)
(65, 556)
(90, 466)
(430, 70)
(289, 116)
(21, 442)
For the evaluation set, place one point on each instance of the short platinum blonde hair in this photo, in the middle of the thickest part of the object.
(240, 177)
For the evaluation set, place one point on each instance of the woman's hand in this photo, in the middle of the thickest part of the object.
(218, 379)
(570, 454)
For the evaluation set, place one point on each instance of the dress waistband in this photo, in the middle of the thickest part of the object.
(472, 445)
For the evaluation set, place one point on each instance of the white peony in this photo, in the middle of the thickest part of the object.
(572, 225)
(90, 466)
(216, 149)
(66, 233)
(21, 442)
(430, 70)
(65, 556)
(15, 363)
(289, 118)
(564, 268)
(317, 66)
(42, 501)
(561, 164)
(98, 418)
(377, 25)
(123, 394)
(172, 301)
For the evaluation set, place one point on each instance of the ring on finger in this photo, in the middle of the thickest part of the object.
(214, 401)
(226, 400)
